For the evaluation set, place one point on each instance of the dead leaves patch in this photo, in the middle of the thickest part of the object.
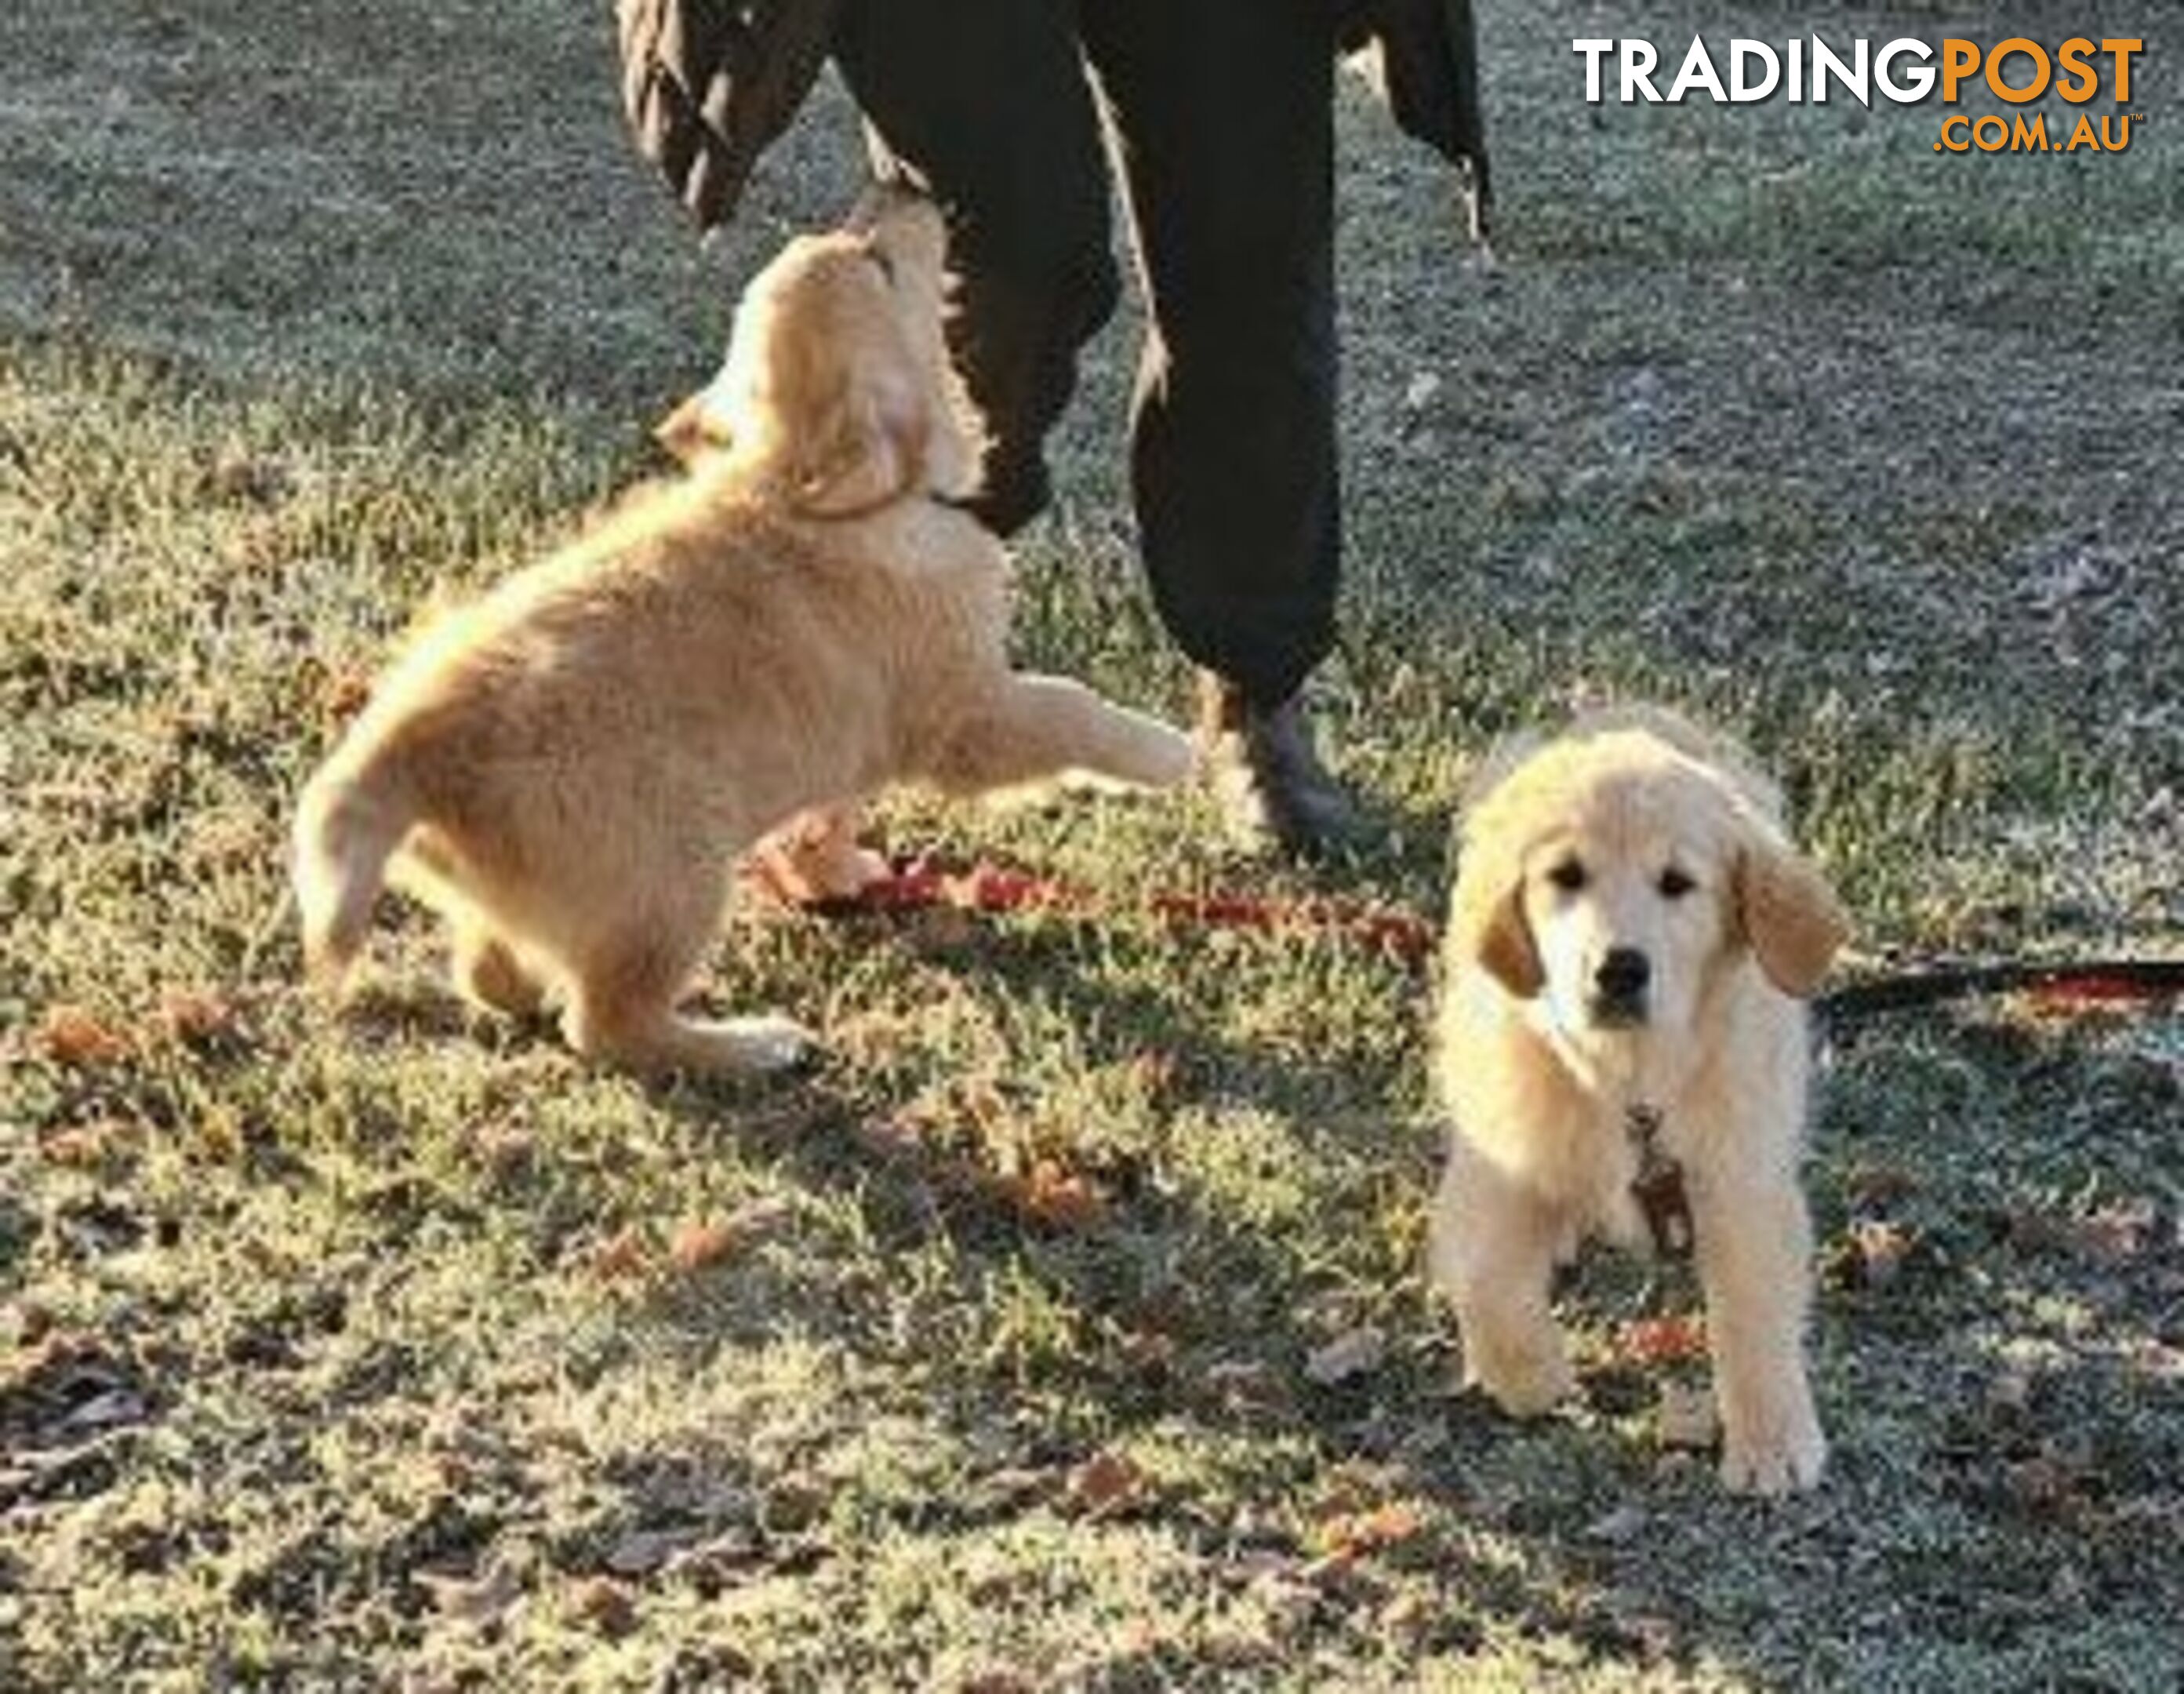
(695, 1245)
(700, 1244)
(1106, 1484)
(1052, 1196)
(197, 1019)
(102, 1144)
(1680, 1338)
(76, 1039)
(604, 1605)
(1353, 1534)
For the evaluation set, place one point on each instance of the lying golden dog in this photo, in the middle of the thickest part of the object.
(566, 770)
(1622, 1051)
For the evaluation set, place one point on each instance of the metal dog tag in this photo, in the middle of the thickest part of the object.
(1658, 1188)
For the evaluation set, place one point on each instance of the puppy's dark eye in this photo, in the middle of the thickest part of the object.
(1675, 883)
(1568, 875)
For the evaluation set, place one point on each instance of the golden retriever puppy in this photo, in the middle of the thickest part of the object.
(566, 769)
(1622, 1052)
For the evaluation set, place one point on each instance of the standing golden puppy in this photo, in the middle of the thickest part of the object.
(566, 769)
(1622, 1052)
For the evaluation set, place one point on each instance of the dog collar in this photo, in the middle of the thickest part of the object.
(1658, 1187)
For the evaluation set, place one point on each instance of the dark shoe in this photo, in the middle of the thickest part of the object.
(1266, 773)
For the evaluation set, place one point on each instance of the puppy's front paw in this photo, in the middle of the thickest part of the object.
(1150, 755)
(1782, 1456)
(1172, 756)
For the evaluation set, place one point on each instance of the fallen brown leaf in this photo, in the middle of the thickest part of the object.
(1055, 1198)
(1106, 1482)
(1673, 1340)
(83, 1147)
(340, 692)
(70, 1035)
(194, 1017)
(608, 1606)
(700, 1243)
(1353, 1534)
(620, 1257)
(1881, 1249)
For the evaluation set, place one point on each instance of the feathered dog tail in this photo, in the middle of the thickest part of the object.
(350, 821)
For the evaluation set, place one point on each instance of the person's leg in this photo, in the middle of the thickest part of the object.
(1224, 122)
(983, 104)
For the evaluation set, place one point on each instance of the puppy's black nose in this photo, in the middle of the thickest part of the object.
(1622, 977)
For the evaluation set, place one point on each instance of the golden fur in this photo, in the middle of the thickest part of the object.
(1633, 832)
(566, 769)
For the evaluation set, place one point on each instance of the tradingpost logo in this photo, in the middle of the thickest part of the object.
(2092, 77)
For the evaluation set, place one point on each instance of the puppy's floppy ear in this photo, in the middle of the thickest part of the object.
(1789, 914)
(691, 431)
(865, 447)
(1488, 925)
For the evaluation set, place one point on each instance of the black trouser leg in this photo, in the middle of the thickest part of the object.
(1225, 115)
(1225, 112)
(983, 104)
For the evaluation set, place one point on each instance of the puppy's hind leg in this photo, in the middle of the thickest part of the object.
(1492, 1251)
(489, 972)
(1036, 728)
(624, 983)
(486, 968)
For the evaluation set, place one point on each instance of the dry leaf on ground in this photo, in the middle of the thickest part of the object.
(1106, 1482)
(1673, 1340)
(73, 1036)
(1351, 1533)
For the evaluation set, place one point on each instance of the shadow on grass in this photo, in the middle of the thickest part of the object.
(1967, 1407)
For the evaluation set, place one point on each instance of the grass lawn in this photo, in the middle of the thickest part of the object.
(404, 1352)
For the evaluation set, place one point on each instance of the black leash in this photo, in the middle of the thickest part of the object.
(2079, 983)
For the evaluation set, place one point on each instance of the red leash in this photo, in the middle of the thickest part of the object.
(928, 883)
